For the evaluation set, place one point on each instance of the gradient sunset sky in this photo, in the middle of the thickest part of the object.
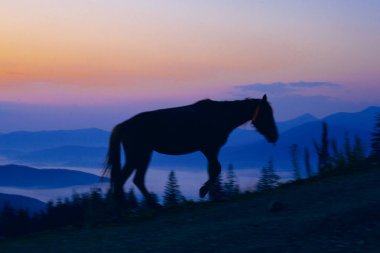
(324, 54)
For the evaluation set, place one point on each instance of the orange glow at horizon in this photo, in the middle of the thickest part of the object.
(77, 50)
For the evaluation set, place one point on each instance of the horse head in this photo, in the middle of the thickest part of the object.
(263, 120)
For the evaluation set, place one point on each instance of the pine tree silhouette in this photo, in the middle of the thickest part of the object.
(308, 169)
(172, 194)
(269, 179)
(375, 142)
(358, 153)
(131, 200)
(339, 158)
(231, 186)
(348, 149)
(350, 156)
(294, 154)
(324, 158)
(216, 190)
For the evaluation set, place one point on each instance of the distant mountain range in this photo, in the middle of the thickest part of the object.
(32, 141)
(364, 120)
(242, 136)
(245, 147)
(303, 136)
(77, 156)
(21, 202)
(300, 120)
(28, 177)
(309, 128)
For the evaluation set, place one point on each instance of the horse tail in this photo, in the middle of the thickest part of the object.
(113, 163)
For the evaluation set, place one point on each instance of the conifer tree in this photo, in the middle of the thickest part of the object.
(231, 186)
(294, 156)
(348, 150)
(350, 156)
(131, 200)
(358, 153)
(339, 158)
(172, 194)
(269, 179)
(7, 219)
(375, 142)
(216, 191)
(324, 158)
(307, 162)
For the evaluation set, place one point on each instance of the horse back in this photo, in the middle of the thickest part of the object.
(177, 130)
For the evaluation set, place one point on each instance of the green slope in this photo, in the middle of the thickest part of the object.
(339, 213)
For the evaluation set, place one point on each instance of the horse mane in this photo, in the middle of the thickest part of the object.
(204, 101)
(208, 100)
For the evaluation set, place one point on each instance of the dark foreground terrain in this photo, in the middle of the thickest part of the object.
(339, 213)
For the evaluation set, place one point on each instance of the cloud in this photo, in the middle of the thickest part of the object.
(290, 106)
(282, 88)
(271, 88)
(291, 99)
(314, 84)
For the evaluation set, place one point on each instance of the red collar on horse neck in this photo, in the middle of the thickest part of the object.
(256, 114)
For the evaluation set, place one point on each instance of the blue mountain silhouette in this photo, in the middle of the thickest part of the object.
(27, 177)
(21, 202)
(31, 141)
(245, 147)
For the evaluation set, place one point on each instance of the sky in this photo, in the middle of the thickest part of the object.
(120, 57)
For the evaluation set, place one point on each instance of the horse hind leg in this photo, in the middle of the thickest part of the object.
(125, 173)
(139, 180)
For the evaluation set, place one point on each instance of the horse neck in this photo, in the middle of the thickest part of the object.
(240, 112)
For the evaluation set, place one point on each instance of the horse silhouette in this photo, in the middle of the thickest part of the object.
(203, 126)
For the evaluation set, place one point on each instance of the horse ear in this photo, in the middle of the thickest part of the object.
(264, 99)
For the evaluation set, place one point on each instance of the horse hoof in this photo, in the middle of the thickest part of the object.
(203, 191)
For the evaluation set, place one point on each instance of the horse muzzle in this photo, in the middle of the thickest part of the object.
(273, 139)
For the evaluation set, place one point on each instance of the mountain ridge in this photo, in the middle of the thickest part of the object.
(245, 147)
(29, 204)
(31, 141)
(10, 176)
(283, 126)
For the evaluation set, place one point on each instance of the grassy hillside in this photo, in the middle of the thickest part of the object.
(339, 213)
